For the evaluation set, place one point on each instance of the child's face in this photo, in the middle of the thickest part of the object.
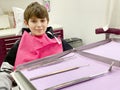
(37, 26)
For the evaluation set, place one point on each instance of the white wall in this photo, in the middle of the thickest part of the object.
(79, 18)
(7, 4)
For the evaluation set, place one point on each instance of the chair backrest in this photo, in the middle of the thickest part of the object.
(2, 50)
(5, 45)
(59, 33)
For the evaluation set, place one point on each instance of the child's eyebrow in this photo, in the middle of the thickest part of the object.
(33, 18)
(37, 18)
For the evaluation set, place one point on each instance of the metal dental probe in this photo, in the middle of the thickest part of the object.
(73, 82)
(57, 72)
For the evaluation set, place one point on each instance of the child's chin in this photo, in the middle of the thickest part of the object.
(39, 34)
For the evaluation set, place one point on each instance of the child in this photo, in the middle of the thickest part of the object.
(39, 43)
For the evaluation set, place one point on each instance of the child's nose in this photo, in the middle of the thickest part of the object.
(39, 24)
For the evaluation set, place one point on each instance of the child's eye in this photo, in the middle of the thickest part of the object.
(42, 20)
(33, 21)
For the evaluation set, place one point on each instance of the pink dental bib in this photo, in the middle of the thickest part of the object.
(35, 47)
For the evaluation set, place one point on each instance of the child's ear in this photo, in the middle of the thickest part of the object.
(25, 22)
